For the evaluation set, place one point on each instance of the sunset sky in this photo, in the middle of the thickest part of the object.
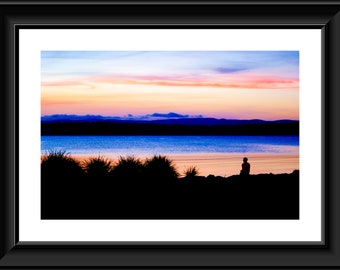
(220, 84)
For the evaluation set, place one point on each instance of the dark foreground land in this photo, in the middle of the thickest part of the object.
(264, 196)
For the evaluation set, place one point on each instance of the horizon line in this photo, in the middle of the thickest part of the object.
(160, 116)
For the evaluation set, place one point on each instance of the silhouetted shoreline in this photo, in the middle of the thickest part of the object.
(154, 190)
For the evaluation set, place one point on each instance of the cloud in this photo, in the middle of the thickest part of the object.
(169, 115)
(229, 70)
(172, 68)
(220, 80)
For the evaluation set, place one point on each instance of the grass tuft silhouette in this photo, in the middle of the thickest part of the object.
(97, 167)
(128, 167)
(191, 172)
(60, 164)
(160, 167)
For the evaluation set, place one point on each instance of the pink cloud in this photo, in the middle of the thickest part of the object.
(250, 81)
(223, 81)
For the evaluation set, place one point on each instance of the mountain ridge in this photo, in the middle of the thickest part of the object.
(205, 121)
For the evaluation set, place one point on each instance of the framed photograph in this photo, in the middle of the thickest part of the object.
(205, 131)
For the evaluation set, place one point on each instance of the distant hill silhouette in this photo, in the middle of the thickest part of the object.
(103, 125)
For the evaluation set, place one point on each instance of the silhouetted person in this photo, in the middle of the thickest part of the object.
(245, 167)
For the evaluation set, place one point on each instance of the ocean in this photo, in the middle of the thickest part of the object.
(218, 155)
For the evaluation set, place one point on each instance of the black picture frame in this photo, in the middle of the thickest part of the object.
(100, 14)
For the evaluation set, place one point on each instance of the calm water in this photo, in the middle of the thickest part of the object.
(169, 145)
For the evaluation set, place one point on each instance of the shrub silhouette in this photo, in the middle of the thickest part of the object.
(60, 165)
(97, 167)
(160, 168)
(128, 168)
(191, 172)
(61, 179)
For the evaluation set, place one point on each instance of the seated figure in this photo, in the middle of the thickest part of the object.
(245, 167)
